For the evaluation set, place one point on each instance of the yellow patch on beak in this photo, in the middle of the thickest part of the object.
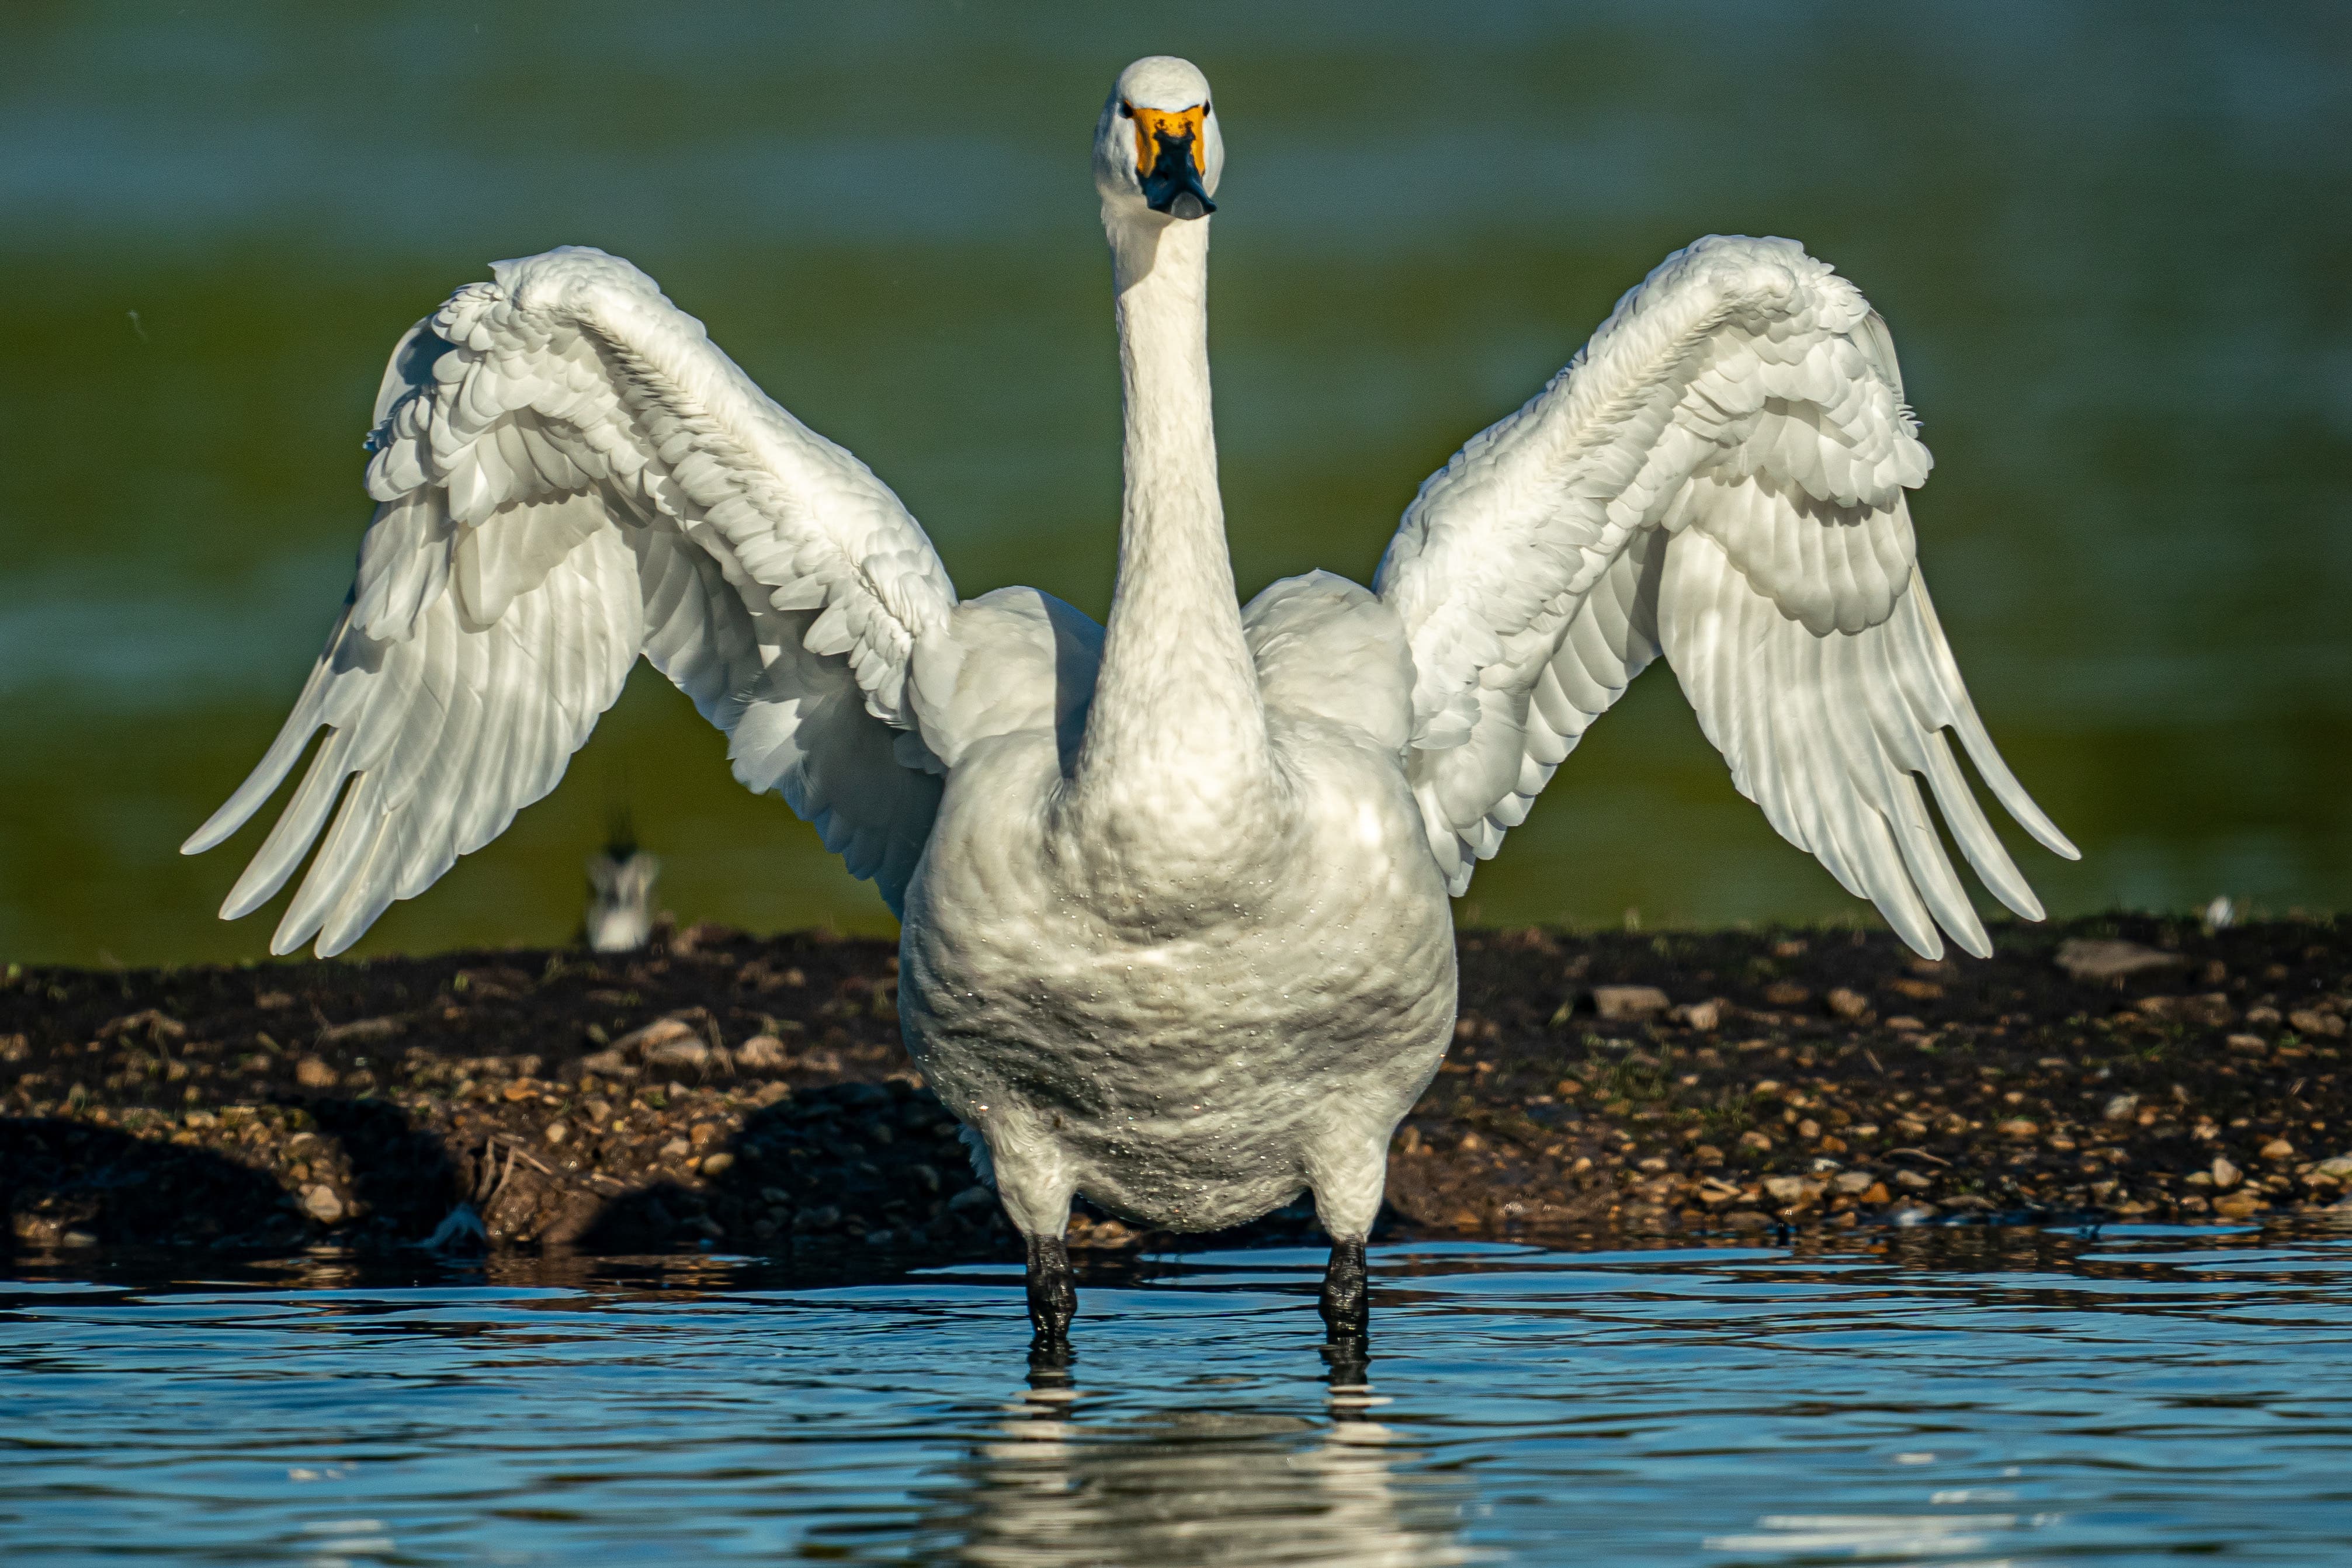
(1152, 124)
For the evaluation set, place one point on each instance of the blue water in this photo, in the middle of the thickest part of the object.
(1989, 1397)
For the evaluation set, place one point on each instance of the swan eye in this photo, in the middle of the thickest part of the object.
(1126, 110)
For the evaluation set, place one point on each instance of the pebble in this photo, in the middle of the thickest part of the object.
(2103, 959)
(2225, 1174)
(2278, 1149)
(1620, 1003)
(719, 1164)
(312, 1073)
(1848, 1004)
(557, 1131)
(321, 1204)
(762, 1053)
(2122, 1107)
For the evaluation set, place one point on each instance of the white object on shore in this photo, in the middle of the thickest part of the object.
(620, 917)
(1174, 890)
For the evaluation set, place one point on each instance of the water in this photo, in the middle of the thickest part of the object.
(1948, 1398)
(2108, 237)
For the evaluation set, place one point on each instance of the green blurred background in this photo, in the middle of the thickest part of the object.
(2112, 240)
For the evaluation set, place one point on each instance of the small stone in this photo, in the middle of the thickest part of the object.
(363, 1032)
(557, 1131)
(1918, 990)
(1621, 1003)
(519, 1090)
(1752, 1139)
(1790, 1189)
(1915, 1212)
(321, 1204)
(1787, 993)
(1853, 1181)
(1849, 1004)
(1875, 1192)
(1913, 1180)
(2225, 1174)
(719, 1164)
(1748, 1219)
(1808, 1129)
(2248, 1044)
(2278, 1149)
(764, 1053)
(1704, 1016)
(2096, 960)
(687, 1052)
(677, 1149)
(971, 1200)
(1706, 1156)
(2122, 1107)
(310, 1072)
(77, 1238)
(2017, 1127)
(607, 1064)
(2238, 1206)
(2310, 1021)
(1903, 1024)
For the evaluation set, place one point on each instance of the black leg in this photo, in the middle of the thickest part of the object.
(1347, 1316)
(1053, 1295)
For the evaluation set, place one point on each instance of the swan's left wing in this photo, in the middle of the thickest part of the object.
(1719, 474)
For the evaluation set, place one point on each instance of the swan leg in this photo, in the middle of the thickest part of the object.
(1348, 1175)
(1347, 1314)
(1053, 1294)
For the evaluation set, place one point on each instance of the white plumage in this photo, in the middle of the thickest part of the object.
(1174, 888)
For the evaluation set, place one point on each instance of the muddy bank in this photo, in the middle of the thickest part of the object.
(751, 1094)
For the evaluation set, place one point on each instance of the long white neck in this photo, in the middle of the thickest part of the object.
(1176, 737)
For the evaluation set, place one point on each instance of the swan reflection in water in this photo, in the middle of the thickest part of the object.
(1176, 1487)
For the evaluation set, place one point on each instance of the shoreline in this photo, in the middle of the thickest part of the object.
(750, 1093)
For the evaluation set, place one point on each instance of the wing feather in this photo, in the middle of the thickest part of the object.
(569, 473)
(1721, 475)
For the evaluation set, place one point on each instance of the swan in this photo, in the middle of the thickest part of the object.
(1173, 890)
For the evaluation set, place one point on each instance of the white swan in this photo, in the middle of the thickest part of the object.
(1174, 891)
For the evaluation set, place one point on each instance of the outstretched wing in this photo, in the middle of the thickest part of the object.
(1719, 474)
(568, 473)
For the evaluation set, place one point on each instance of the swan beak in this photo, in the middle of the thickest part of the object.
(1168, 157)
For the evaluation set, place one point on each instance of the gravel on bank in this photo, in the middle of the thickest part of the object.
(751, 1093)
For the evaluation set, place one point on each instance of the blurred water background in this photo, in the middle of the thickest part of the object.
(2110, 238)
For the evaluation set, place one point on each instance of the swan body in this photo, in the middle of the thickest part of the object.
(1174, 890)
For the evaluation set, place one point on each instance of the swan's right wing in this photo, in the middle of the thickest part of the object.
(569, 473)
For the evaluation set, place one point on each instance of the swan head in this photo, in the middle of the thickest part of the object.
(1158, 150)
